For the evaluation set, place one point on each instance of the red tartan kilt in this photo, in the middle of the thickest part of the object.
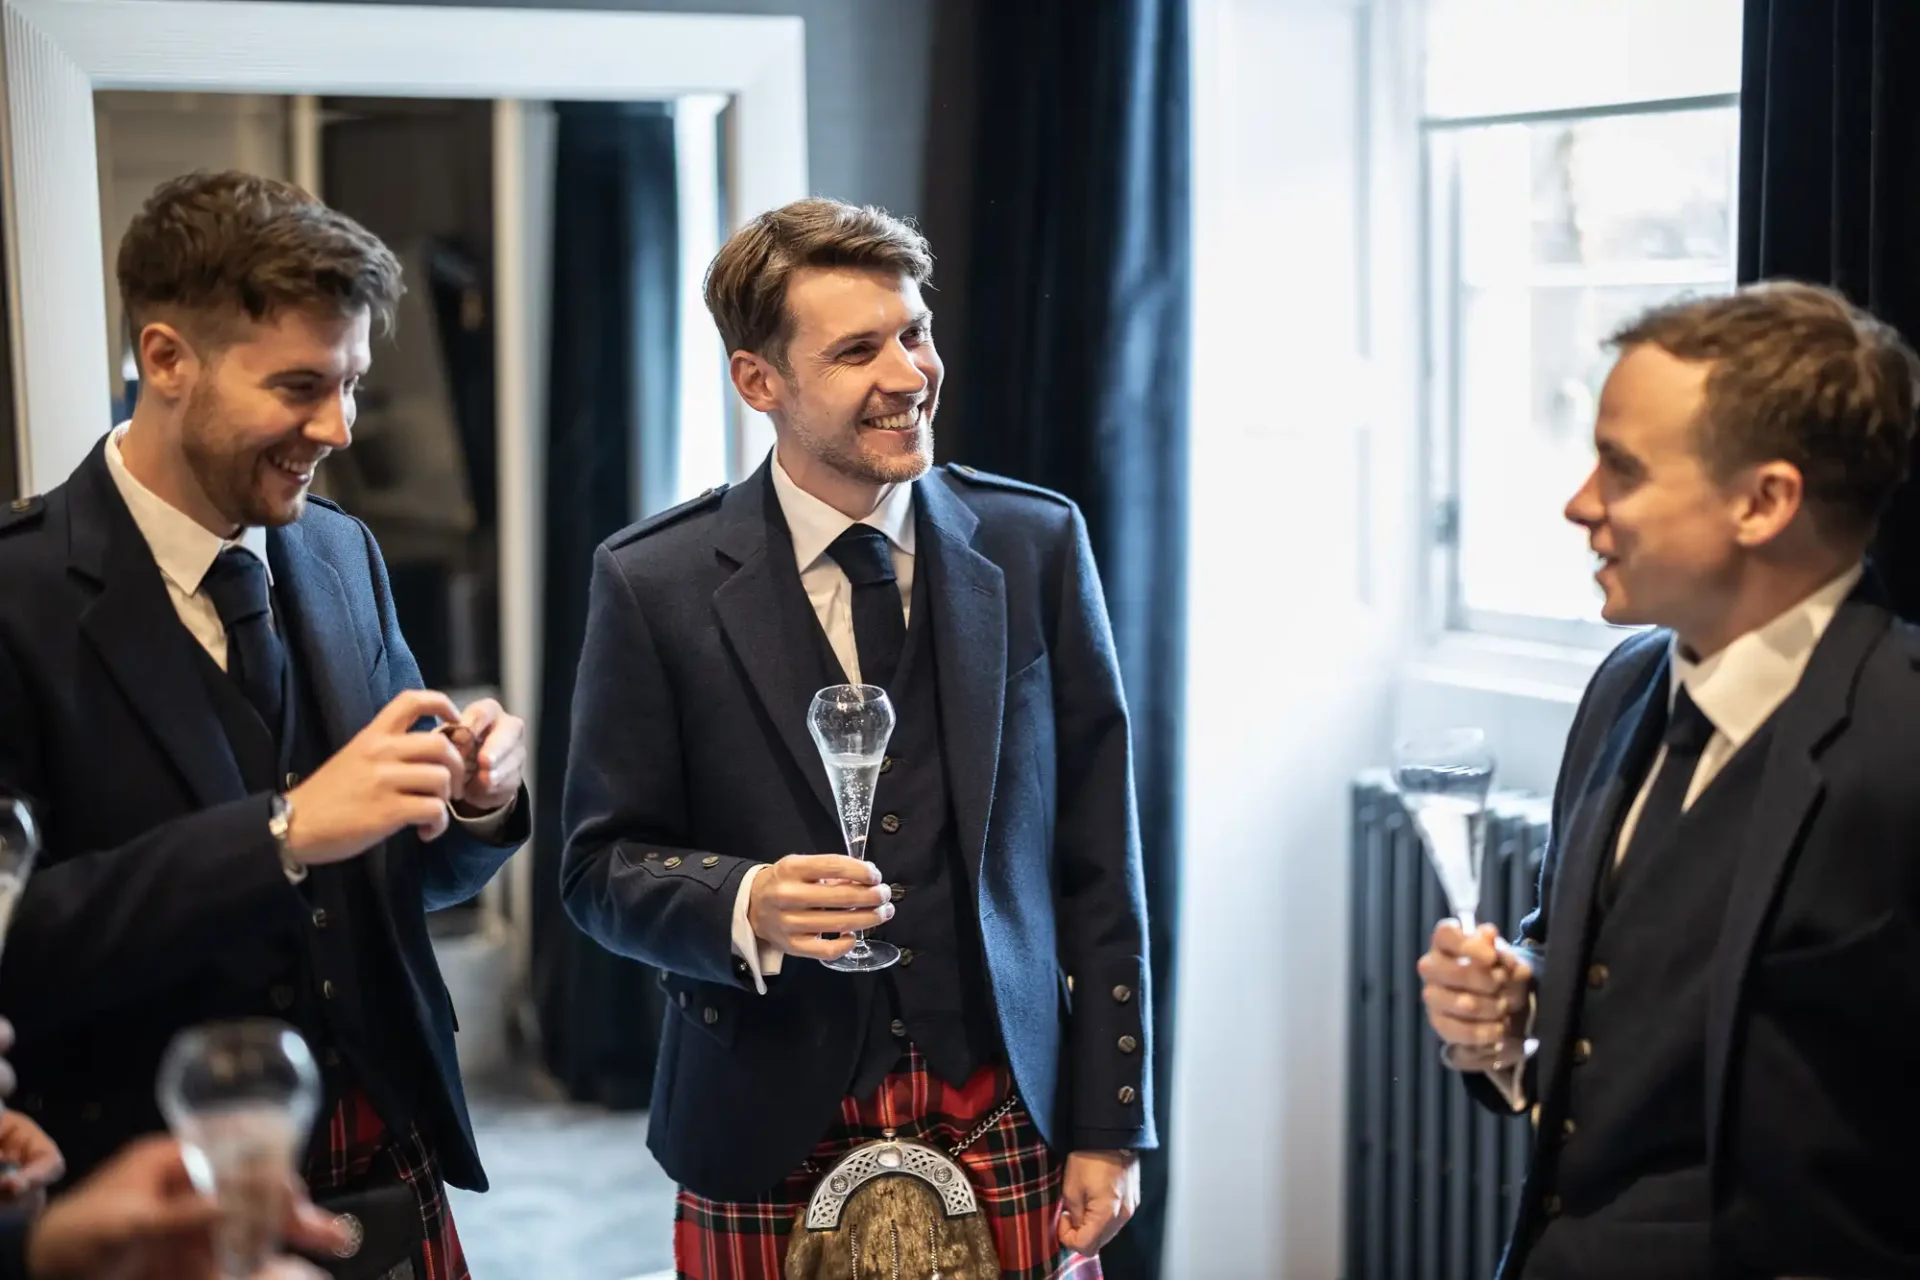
(356, 1138)
(1015, 1176)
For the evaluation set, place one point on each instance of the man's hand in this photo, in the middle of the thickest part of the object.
(803, 895)
(388, 777)
(1099, 1192)
(140, 1218)
(494, 749)
(31, 1161)
(1477, 993)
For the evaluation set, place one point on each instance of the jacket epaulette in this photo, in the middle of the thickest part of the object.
(661, 519)
(22, 513)
(988, 480)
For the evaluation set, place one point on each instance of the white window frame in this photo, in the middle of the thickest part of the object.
(1448, 616)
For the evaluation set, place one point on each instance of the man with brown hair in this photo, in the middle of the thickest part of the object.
(206, 697)
(1721, 980)
(1004, 857)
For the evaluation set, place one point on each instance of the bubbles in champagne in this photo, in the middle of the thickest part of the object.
(241, 1155)
(1448, 804)
(854, 778)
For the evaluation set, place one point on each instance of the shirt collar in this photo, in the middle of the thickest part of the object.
(183, 547)
(1740, 686)
(814, 525)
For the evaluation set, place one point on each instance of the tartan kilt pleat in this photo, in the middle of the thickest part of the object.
(356, 1139)
(1015, 1177)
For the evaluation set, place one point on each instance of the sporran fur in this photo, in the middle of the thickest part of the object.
(893, 1210)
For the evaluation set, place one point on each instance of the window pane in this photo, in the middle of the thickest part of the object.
(1561, 232)
(1504, 57)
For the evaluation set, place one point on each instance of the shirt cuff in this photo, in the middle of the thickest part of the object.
(486, 826)
(763, 961)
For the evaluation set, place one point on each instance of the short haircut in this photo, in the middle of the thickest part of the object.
(209, 248)
(746, 287)
(1801, 375)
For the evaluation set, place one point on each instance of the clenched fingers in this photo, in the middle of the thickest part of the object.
(813, 922)
(791, 895)
(1456, 973)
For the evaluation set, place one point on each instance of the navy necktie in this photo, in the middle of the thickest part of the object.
(1687, 734)
(879, 620)
(256, 661)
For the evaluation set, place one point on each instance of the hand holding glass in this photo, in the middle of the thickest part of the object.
(241, 1097)
(1444, 778)
(851, 724)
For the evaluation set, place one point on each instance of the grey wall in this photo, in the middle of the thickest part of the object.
(867, 86)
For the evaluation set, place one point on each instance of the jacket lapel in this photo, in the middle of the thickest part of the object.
(1587, 854)
(322, 634)
(967, 600)
(137, 632)
(326, 647)
(1791, 785)
(762, 609)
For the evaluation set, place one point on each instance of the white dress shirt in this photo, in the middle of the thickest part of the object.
(813, 526)
(1737, 689)
(185, 549)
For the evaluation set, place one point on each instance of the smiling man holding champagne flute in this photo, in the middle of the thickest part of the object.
(1722, 974)
(1003, 861)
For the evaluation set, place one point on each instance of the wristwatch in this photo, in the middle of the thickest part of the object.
(280, 827)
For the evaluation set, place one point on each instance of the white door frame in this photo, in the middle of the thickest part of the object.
(57, 52)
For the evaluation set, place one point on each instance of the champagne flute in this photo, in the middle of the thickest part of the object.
(1444, 778)
(851, 724)
(19, 847)
(241, 1098)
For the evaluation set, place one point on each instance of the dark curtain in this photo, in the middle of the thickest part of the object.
(1072, 368)
(611, 402)
(1830, 182)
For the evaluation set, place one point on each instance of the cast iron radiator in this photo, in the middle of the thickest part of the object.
(1433, 1179)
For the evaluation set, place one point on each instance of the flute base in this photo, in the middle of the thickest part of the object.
(866, 957)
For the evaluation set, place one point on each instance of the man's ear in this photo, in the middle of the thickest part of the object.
(762, 386)
(1772, 494)
(168, 362)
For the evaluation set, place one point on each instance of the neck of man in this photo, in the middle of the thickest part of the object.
(853, 498)
(150, 448)
(1760, 594)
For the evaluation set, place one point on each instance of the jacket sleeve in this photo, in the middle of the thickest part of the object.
(97, 928)
(1101, 907)
(459, 864)
(627, 876)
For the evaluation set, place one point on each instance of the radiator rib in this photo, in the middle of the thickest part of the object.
(1432, 1179)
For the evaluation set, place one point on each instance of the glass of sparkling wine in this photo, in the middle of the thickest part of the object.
(850, 724)
(1444, 778)
(241, 1098)
(19, 846)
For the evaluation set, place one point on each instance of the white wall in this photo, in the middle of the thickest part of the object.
(1305, 426)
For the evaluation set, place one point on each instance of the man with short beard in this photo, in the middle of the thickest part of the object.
(1004, 857)
(206, 697)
